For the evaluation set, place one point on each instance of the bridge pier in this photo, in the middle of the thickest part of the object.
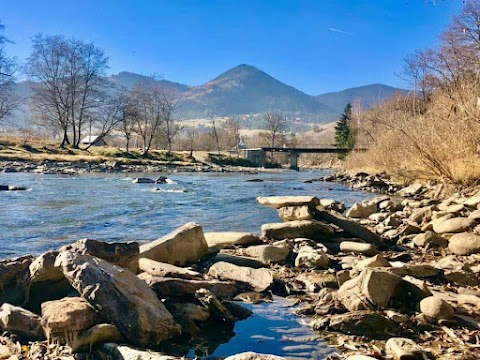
(294, 160)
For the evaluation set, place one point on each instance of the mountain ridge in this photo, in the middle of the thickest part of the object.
(245, 90)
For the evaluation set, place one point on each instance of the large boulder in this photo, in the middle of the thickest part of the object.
(63, 320)
(159, 269)
(12, 274)
(20, 322)
(46, 281)
(220, 240)
(362, 209)
(315, 230)
(121, 297)
(453, 225)
(277, 202)
(376, 286)
(182, 289)
(464, 244)
(268, 254)
(183, 246)
(259, 279)
(429, 239)
(121, 254)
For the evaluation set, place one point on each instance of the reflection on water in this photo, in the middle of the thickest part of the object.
(272, 329)
(60, 209)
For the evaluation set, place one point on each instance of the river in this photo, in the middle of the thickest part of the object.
(59, 209)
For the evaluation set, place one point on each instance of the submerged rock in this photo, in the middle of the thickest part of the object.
(143, 181)
(121, 297)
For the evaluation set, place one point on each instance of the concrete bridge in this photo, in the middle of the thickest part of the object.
(259, 155)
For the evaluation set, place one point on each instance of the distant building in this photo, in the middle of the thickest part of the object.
(242, 144)
(94, 140)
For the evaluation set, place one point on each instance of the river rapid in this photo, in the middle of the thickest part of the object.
(59, 209)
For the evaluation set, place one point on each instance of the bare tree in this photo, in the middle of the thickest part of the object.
(108, 116)
(149, 97)
(129, 115)
(214, 135)
(275, 124)
(68, 83)
(9, 100)
(170, 127)
(192, 136)
(231, 134)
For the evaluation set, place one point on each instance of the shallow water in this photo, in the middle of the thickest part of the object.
(60, 209)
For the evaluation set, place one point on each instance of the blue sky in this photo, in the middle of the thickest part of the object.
(315, 45)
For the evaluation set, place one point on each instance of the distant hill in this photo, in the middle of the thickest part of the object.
(244, 90)
(369, 95)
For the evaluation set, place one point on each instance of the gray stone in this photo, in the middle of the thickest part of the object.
(404, 349)
(20, 322)
(436, 308)
(464, 244)
(453, 225)
(315, 230)
(221, 240)
(156, 268)
(268, 254)
(183, 246)
(429, 239)
(358, 248)
(291, 213)
(259, 279)
(362, 209)
(311, 258)
(121, 297)
(277, 202)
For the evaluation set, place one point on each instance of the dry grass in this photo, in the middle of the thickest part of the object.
(442, 143)
(38, 150)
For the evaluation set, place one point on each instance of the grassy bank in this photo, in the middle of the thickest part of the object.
(38, 151)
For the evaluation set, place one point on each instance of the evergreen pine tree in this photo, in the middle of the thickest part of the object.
(344, 136)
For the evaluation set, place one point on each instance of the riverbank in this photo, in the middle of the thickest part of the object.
(391, 278)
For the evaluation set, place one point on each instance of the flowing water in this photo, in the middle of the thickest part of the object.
(59, 209)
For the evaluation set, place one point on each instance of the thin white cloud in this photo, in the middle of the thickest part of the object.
(340, 31)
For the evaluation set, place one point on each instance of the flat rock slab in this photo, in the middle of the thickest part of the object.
(221, 240)
(121, 352)
(121, 297)
(159, 269)
(167, 288)
(268, 254)
(259, 279)
(453, 225)
(239, 260)
(314, 230)
(183, 246)
(277, 202)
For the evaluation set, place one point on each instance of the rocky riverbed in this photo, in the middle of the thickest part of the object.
(87, 167)
(393, 278)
